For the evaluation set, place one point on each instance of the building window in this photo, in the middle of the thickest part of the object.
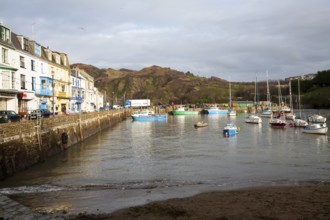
(5, 34)
(26, 44)
(63, 88)
(4, 55)
(33, 65)
(22, 62)
(42, 68)
(33, 83)
(43, 84)
(23, 86)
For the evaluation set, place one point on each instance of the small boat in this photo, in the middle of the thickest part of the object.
(300, 123)
(253, 119)
(183, 111)
(290, 116)
(200, 124)
(316, 129)
(230, 130)
(277, 123)
(212, 110)
(266, 113)
(231, 112)
(317, 119)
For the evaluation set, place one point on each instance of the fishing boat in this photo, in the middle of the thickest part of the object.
(213, 110)
(200, 124)
(183, 111)
(316, 129)
(277, 123)
(267, 112)
(231, 111)
(253, 119)
(317, 119)
(230, 130)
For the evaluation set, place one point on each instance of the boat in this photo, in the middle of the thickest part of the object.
(290, 115)
(267, 112)
(212, 110)
(183, 111)
(230, 130)
(253, 119)
(200, 124)
(317, 119)
(277, 123)
(146, 115)
(316, 129)
(298, 121)
(231, 111)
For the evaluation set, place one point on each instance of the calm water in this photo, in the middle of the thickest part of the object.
(137, 162)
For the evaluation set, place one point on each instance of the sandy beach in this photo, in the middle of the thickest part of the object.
(274, 203)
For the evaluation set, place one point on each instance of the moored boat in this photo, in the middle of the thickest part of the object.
(183, 111)
(300, 123)
(316, 129)
(149, 117)
(253, 119)
(277, 123)
(266, 113)
(212, 110)
(317, 119)
(230, 130)
(200, 124)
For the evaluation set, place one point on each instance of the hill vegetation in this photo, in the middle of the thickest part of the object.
(165, 85)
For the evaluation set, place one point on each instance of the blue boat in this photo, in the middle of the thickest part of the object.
(213, 110)
(230, 130)
(149, 117)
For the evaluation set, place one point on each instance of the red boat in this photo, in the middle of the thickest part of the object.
(278, 123)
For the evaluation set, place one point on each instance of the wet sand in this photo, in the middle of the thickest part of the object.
(273, 203)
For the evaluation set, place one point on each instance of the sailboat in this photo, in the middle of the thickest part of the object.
(267, 112)
(278, 122)
(253, 118)
(299, 122)
(231, 111)
(290, 115)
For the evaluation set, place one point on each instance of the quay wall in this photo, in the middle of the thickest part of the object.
(25, 143)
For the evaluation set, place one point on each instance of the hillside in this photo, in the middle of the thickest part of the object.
(165, 85)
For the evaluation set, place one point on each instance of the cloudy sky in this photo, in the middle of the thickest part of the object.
(229, 39)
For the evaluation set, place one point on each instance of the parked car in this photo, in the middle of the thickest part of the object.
(44, 113)
(9, 116)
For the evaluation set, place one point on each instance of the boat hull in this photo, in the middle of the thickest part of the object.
(215, 111)
(178, 112)
(316, 129)
(150, 118)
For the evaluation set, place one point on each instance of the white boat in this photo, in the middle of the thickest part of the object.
(277, 123)
(300, 123)
(317, 119)
(212, 110)
(290, 115)
(316, 129)
(231, 111)
(230, 130)
(145, 112)
(267, 112)
(253, 119)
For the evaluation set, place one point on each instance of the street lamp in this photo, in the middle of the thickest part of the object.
(53, 103)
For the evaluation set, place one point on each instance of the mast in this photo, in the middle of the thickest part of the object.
(299, 105)
(268, 94)
(291, 107)
(229, 95)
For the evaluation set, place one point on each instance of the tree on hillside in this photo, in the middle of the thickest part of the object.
(322, 79)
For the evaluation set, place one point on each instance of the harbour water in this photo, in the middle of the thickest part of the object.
(138, 162)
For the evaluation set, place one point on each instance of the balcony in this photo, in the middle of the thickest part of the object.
(63, 95)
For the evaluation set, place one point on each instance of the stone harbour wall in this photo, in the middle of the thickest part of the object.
(23, 144)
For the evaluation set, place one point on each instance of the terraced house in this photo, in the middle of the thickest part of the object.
(34, 77)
